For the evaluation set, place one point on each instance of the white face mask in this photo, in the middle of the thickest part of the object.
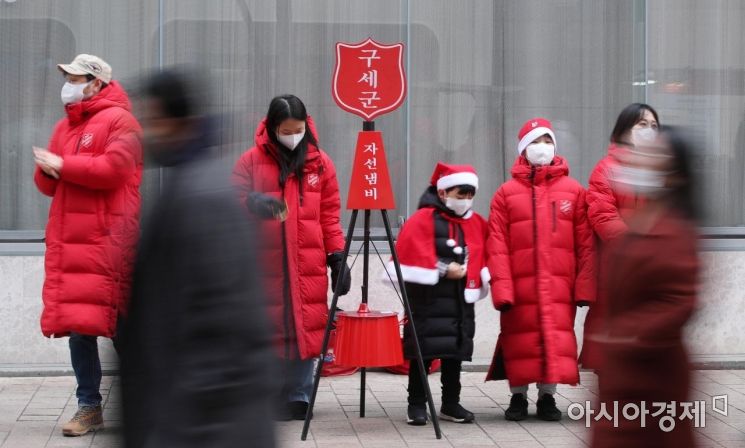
(291, 141)
(642, 136)
(459, 206)
(540, 154)
(643, 181)
(73, 93)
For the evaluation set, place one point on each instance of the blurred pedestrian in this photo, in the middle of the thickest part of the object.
(541, 258)
(196, 355)
(653, 281)
(609, 208)
(289, 187)
(92, 169)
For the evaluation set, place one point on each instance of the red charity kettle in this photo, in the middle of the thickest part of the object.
(366, 338)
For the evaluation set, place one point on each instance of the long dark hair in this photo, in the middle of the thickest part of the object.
(290, 161)
(628, 117)
(684, 197)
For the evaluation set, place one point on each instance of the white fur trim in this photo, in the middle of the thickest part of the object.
(485, 275)
(473, 295)
(534, 134)
(463, 178)
(414, 274)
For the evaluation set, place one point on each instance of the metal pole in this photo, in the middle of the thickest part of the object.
(366, 126)
(327, 334)
(365, 289)
(409, 317)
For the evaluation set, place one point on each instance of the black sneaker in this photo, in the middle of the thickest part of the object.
(518, 409)
(416, 415)
(298, 410)
(456, 413)
(547, 409)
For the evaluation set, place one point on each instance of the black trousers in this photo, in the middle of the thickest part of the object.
(449, 377)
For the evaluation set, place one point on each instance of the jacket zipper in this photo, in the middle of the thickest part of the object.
(287, 303)
(537, 270)
(553, 213)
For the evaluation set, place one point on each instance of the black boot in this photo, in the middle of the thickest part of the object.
(547, 409)
(416, 415)
(456, 413)
(518, 409)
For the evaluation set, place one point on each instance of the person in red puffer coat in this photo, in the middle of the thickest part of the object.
(610, 205)
(290, 188)
(92, 170)
(541, 259)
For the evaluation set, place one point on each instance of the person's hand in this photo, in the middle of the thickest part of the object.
(266, 206)
(455, 271)
(336, 262)
(504, 308)
(48, 162)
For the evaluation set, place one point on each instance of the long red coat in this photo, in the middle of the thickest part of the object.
(652, 284)
(541, 257)
(93, 224)
(312, 230)
(609, 209)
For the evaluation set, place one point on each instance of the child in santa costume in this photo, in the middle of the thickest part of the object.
(541, 257)
(441, 250)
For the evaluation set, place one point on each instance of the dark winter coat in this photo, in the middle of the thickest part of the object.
(444, 322)
(196, 347)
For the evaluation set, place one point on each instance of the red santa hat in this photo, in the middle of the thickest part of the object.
(531, 130)
(447, 176)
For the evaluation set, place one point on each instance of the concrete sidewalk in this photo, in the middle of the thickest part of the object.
(32, 411)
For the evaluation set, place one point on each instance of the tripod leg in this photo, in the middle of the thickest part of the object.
(329, 324)
(407, 310)
(365, 290)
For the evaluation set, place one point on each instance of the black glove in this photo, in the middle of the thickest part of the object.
(336, 262)
(265, 206)
(504, 308)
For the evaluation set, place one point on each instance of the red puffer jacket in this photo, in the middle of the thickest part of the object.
(608, 210)
(93, 224)
(541, 257)
(293, 252)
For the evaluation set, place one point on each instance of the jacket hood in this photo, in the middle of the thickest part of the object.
(614, 150)
(523, 171)
(112, 95)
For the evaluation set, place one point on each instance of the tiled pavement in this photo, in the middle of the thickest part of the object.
(32, 411)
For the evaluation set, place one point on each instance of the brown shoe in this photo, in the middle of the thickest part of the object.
(88, 418)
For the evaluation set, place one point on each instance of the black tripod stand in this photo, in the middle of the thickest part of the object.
(369, 126)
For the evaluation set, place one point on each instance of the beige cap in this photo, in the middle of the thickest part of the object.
(87, 64)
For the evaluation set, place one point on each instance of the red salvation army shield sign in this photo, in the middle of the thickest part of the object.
(369, 78)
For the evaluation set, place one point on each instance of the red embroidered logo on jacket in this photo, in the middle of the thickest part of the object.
(86, 140)
(565, 206)
(313, 179)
